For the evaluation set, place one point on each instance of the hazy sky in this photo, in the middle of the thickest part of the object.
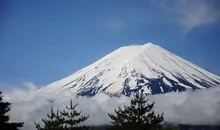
(42, 41)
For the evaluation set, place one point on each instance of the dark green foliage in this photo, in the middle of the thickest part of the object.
(95, 128)
(169, 128)
(52, 122)
(68, 119)
(5, 107)
(139, 115)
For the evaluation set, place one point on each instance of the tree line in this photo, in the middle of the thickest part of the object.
(139, 115)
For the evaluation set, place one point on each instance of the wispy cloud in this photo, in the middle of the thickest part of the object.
(191, 14)
(126, 18)
(115, 23)
(188, 14)
(201, 107)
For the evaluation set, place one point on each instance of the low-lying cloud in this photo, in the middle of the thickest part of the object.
(200, 107)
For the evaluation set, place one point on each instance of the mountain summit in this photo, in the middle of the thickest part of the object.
(130, 68)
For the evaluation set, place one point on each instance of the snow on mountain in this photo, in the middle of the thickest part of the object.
(135, 67)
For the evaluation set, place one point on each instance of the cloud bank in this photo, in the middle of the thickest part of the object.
(200, 107)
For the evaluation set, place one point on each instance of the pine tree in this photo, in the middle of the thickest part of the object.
(139, 115)
(5, 107)
(71, 117)
(53, 121)
(63, 120)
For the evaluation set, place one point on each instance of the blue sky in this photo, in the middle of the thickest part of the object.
(43, 41)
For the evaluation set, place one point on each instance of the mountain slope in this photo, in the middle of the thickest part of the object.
(130, 68)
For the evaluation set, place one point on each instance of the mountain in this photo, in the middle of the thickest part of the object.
(130, 68)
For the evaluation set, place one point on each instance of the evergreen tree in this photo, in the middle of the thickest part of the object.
(5, 107)
(71, 117)
(53, 121)
(63, 120)
(138, 116)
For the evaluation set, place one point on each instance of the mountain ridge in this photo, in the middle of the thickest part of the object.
(130, 68)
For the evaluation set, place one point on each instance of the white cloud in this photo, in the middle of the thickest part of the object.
(188, 14)
(115, 24)
(126, 18)
(191, 14)
(201, 107)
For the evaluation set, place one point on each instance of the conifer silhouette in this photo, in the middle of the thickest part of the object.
(51, 122)
(138, 116)
(5, 107)
(68, 119)
(71, 117)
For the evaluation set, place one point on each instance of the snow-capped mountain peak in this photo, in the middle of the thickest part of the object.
(135, 67)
